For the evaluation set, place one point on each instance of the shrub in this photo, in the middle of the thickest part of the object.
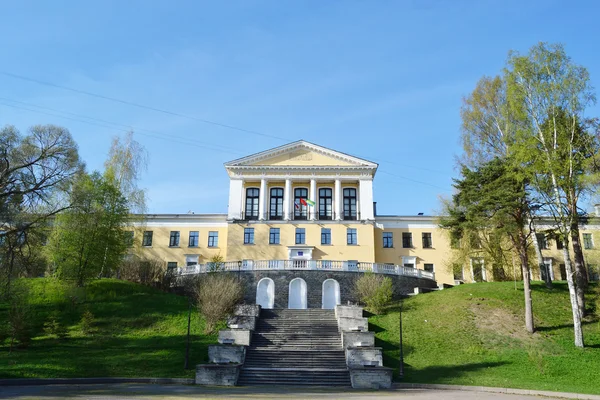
(216, 295)
(19, 313)
(54, 326)
(146, 272)
(375, 291)
(87, 322)
(216, 263)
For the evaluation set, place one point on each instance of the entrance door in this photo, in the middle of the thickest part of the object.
(331, 294)
(265, 293)
(297, 295)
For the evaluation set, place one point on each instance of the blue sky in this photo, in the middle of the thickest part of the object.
(381, 80)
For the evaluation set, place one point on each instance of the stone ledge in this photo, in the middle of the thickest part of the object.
(353, 339)
(223, 354)
(364, 357)
(353, 324)
(241, 322)
(239, 337)
(217, 374)
(371, 377)
(348, 312)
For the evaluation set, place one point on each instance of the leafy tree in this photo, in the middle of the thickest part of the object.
(493, 197)
(550, 94)
(82, 234)
(36, 170)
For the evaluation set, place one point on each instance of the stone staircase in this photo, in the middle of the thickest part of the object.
(295, 347)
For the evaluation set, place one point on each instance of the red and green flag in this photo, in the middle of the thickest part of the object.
(307, 202)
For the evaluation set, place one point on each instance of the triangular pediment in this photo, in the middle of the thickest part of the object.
(299, 154)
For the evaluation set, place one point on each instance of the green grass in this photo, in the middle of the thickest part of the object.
(474, 335)
(138, 332)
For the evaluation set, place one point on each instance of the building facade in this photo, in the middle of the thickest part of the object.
(306, 206)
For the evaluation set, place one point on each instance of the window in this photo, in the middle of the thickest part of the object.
(213, 239)
(407, 240)
(274, 236)
(171, 265)
(478, 269)
(559, 244)
(428, 267)
(248, 235)
(546, 270)
(300, 236)
(193, 240)
(593, 272)
(349, 203)
(300, 209)
(252, 198)
(191, 260)
(388, 240)
(426, 236)
(325, 236)
(458, 272)
(563, 272)
(409, 261)
(174, 239)
(352, 265)
(276, 205)
(129, 238)
(541, 239)
(351, 236)
(587, 241)
(325, 204)
(147, 240)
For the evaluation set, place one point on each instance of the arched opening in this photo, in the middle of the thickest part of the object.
(331, 294)
(297, 294)
(265, 293)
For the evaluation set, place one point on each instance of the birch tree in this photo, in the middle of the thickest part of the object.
(547, 89)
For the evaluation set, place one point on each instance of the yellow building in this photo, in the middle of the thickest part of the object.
(305, 206)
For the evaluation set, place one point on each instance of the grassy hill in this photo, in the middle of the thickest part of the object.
(136, 332)
(474, 335)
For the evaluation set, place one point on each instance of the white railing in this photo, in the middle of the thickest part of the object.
(342, 266)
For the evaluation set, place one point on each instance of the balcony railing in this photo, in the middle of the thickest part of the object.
(315, 265)
(305, 215)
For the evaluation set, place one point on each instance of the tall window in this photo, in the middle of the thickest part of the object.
(388, 240)
(325, 204)
(426, 236)
(171, 265)
(407, 240)
(274, 236)
(300, 209)
(213, 239)
(174, 239)
(300, 236)
(128, 238)
(350, 203)
(193, 239)
(559, 244)
(248, 235)
(147, 239)
(428, 267)
(541, 239)
(276, 204)
(478, 269)
(351, 236)
(252, 198)
(325, 236)
(587, 241)
(593, 273)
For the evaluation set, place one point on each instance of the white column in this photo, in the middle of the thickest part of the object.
(287, 199)
(262, 200)
(366, 199)
(236, 195)
(337, 195)
(313, 197)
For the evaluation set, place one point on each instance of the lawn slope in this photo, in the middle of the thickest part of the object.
(137, 332)
(474, 335)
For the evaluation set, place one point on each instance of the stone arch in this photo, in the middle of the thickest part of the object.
(330, 294)
(297, 294)
(265, 293)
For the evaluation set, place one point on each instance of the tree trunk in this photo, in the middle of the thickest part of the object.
(522, 249)
(540, 259)
(580, 272)
(573, 295)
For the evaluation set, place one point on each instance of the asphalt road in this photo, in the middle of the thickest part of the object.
(176, 392)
